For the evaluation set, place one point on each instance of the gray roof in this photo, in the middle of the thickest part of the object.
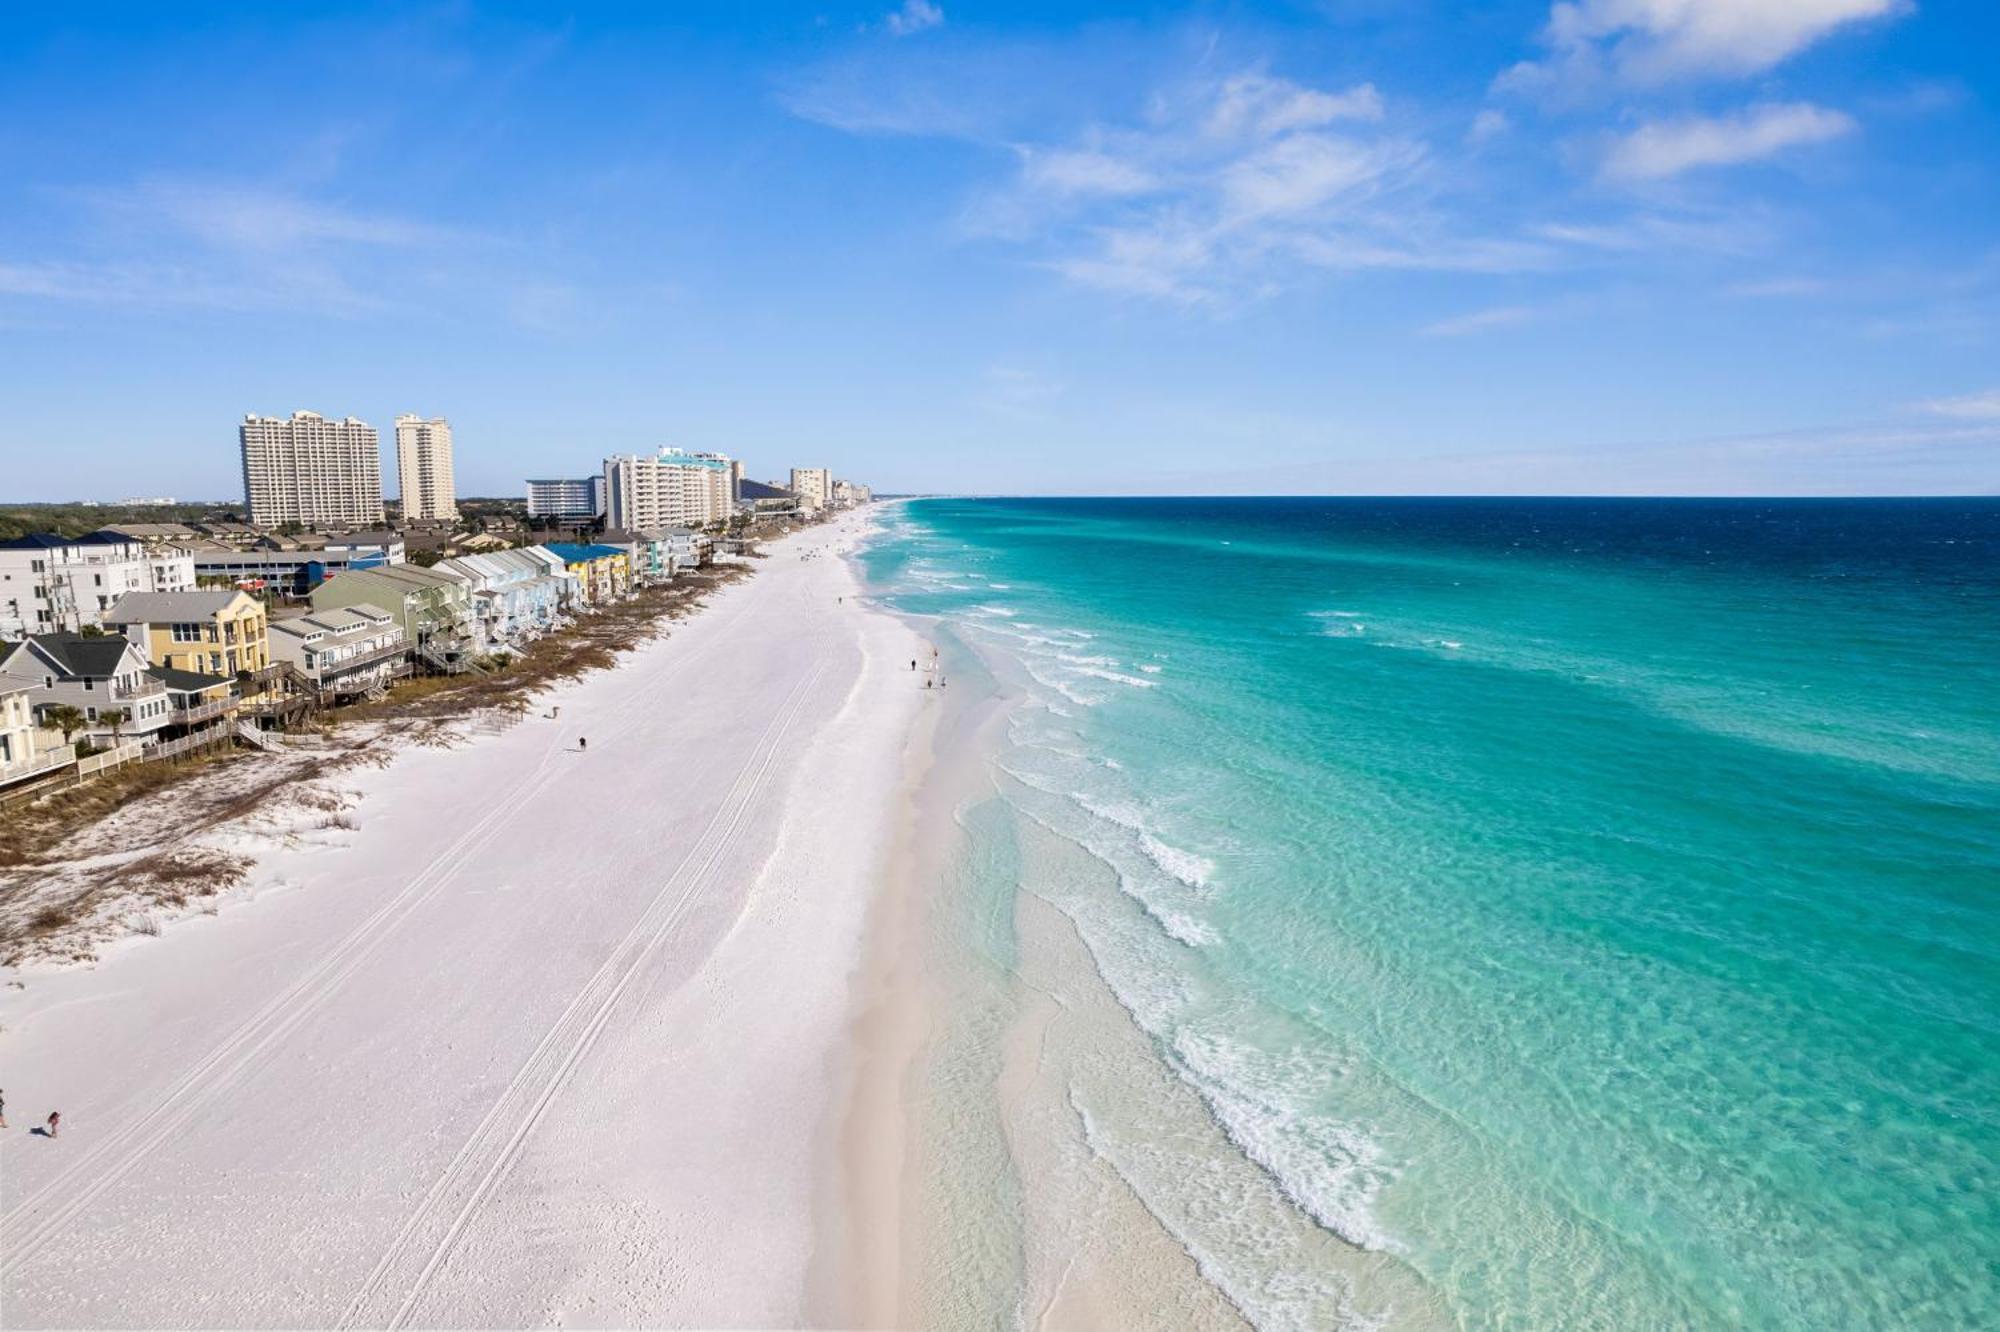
(169, 607)
(81, 656)
(185, 682)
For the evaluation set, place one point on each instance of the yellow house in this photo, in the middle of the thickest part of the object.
(602, 572)
(207, 633)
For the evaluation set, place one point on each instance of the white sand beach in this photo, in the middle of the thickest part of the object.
(552, 1036)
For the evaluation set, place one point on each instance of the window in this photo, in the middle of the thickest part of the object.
(187, 633)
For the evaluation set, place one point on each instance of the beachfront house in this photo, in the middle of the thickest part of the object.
(603, 573)
(432, 606)
(649, 554)
(210, 633)
(342, 653)
(516, 596)
(26, 749)
(52, 584)
(196, 703)
(103, 676)
(689, 549)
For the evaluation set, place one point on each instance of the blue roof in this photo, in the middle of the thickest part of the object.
(570, 553)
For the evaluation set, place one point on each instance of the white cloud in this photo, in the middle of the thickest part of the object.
(1488, 124)
(250, 218)
(1257, 104)
(1668, 147)
(1480, 321)
(233, 246)
(1656, 41)
(1739, 230)
(1226, 187)
(1301, 173)
(914, 16)
(1967, 407)
(1083, 171)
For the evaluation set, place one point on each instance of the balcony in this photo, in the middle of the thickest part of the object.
(208, 710)
(56, 756)
(325, 669)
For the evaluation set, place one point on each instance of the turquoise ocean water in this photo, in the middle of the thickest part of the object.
(1594, 905)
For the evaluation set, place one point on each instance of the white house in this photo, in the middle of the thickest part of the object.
(51, 584)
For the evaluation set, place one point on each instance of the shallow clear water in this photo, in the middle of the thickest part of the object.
(1591, 903)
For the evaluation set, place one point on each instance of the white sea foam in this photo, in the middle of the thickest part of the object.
(1005, 612)
(1181, 1194)
(1118, 812)
(1179, 925)
(1117, 677)
(1048, 681)
(1151, 669)
(1265, 1103)
(1190, 869)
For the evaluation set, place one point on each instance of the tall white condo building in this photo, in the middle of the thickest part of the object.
(813, 486)
(423, 469)
(311, 470)
(670, 489)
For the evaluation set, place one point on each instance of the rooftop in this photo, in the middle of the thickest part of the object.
(571, 553)
(185, 682)
(79, 655)
(50, 541)
(169, 607)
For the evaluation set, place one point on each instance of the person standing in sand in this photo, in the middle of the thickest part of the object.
(3, 1107)
(55, 1122)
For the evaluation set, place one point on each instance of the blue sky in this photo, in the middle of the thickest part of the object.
(1608, 246)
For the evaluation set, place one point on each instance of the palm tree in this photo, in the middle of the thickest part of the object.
(66, 719)
(116, 718)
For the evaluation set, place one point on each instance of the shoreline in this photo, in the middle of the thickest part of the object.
(543, 1037)
(1056, 1167)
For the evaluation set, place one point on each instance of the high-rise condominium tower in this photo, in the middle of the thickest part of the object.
(813, 486)
(669, 489)
(423, 469)
(311, 470)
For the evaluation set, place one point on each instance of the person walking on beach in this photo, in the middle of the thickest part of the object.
(3, 1107)
(582, 744)
(55, 1122)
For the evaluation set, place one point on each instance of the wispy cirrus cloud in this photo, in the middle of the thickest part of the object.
(915, 16)
(1649, 42)
(1663, 148)
(1481, 321)
(1984, 406)
(1221, 190)
(230, 245)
